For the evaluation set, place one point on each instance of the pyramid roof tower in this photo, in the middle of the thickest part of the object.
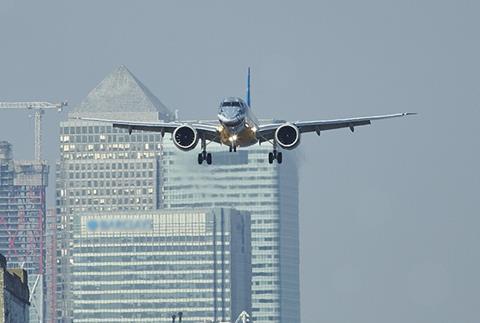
(122, 96)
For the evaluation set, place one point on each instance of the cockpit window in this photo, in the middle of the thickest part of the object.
(231, 104)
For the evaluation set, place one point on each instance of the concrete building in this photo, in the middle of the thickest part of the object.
(144, 266)
(14, 294)
(103, 169)
(246, 181)
(22, 221)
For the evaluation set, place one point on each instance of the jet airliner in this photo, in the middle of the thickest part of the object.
(237, 126)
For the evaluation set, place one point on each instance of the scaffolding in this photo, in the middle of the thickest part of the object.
(22, 221)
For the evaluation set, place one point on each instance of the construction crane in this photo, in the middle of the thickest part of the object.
(38, 111)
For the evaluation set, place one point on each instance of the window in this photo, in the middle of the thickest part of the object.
(231, 104)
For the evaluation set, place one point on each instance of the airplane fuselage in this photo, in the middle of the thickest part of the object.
(238, 124)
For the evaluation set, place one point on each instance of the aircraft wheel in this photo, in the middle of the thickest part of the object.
(279, 157)
(270, 158)
(209, 158)
(200, 158)
(234, 148)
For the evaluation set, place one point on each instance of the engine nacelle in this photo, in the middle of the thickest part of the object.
(185, 137)
(287, 136)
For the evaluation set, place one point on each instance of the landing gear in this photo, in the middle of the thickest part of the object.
(232, 148)
(209, 158)
(270, 158)
(275, 155)
(204, 155)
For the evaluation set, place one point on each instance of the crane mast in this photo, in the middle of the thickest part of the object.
(38, 111)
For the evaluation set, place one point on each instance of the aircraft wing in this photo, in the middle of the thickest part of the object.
(267, 132)
(208, 131)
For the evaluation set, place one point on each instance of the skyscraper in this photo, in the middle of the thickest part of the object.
(22, 221)
(144, 266)
(105, 169)
(50, 265)
(246, 181)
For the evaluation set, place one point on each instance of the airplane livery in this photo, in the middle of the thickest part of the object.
(238, 127)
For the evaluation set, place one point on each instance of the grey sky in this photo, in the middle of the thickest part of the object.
(389, 215)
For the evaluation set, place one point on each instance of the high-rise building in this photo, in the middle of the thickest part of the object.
(102, 168)
(22, 221)
(14, 294)
(246, 181)
(145, 266)
(50, 265)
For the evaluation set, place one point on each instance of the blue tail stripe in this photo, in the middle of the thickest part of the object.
(248, 88)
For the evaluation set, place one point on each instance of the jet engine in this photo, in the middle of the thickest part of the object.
(185, 137)
(287, 136)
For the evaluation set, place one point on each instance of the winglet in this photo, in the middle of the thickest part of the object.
(248, 88)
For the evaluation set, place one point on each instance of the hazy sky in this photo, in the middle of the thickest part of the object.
(390, 227)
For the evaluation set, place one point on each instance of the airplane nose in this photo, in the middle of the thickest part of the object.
(228, 120)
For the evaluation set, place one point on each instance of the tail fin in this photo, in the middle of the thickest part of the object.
(248, 88)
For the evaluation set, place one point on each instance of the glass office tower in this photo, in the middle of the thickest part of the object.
(102, 168)
(246, 181)
(145, 266)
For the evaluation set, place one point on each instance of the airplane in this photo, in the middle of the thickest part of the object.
(238, 127)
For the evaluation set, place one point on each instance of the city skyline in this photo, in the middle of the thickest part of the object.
(391, 214)
(105, 169)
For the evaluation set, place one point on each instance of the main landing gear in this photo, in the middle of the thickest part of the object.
(204, 155)
(275, 155)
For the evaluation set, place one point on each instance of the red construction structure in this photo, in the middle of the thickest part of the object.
(22, 221)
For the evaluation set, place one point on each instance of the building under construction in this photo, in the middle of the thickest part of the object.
(22, 221)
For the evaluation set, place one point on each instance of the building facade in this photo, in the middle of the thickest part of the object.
(246, 181)
(144, 266)
(22, 221)
(50, 265)
(102, 168)
(14, 294)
